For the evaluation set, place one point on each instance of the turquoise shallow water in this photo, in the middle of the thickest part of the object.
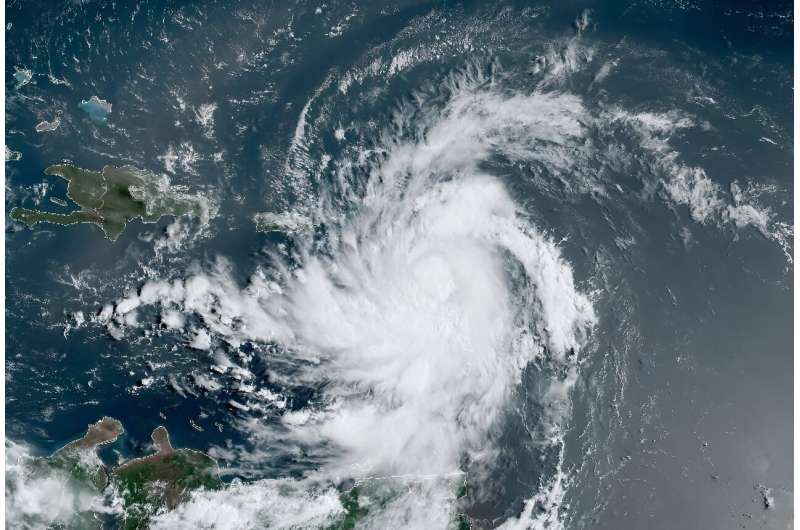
(97, 110)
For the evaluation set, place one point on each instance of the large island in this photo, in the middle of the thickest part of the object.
(112, 197)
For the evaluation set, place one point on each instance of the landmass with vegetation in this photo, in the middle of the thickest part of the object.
(145, 486)
(162, 480)
(114, 196)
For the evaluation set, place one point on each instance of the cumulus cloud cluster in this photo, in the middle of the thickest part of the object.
(40, 500)
(433, 298)
(425, 303)
(430, 300)
(687, 185)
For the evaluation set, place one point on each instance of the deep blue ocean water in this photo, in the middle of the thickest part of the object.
(682, 408)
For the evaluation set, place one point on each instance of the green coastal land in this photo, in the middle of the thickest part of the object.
(147, 486)
(112, 197)
(162, 480)
(78, 459)
(157, 483)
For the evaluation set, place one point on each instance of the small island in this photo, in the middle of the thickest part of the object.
(288, 222)
(12, 156)
(112, 197)
(48, 126)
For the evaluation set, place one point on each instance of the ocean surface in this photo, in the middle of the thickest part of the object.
(542, 251)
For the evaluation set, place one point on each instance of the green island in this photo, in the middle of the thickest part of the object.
(287, 222)
(112, 197)
(147, 486)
